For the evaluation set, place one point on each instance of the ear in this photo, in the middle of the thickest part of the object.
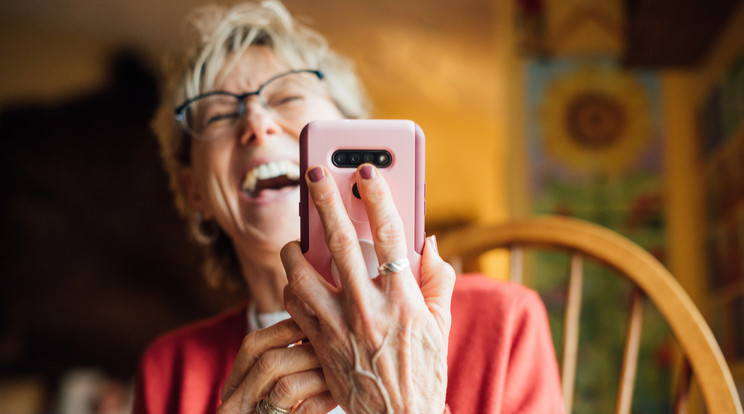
(193, 192)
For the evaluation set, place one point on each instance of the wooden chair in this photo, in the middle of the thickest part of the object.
(583, 240)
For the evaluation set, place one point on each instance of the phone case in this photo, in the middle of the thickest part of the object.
(404, 141)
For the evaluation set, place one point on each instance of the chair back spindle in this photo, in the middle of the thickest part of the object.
(651, 281)
(571, 328)
(630, 354)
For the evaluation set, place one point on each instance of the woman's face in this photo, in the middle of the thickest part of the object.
(248, 182)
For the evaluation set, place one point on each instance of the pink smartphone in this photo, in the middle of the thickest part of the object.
(396, 148)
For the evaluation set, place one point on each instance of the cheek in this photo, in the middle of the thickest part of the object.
(211, 167)
(210, 158)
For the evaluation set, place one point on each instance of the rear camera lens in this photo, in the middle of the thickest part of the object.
(383, 159)
(339, 158)
(368, 157)
(354, 158)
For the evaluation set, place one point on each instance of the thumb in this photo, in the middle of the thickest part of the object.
(437, 284)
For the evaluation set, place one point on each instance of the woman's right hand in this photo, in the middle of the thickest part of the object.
(266, 367)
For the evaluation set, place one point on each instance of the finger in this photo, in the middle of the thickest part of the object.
(276, 363)
(297, 387)
(437, 284)
(268, 369)
(305, 281)
(301, 313)
(254, 345)
(340, 235)
(387, 227)
(317, 404)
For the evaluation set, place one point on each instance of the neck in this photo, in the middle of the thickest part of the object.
(266, 280)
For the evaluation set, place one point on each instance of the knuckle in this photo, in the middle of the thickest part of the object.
(284, 390)
(267, 364)
(389, 232)
(340, 240)
(249, 344)
(299, 276)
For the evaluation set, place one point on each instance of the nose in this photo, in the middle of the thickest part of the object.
(259, 123)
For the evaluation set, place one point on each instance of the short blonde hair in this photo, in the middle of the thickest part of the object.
(219, 36)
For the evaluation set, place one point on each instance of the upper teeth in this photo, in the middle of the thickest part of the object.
(270, 170)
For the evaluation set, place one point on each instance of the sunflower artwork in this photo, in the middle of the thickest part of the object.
(595, 146)
(594, 152)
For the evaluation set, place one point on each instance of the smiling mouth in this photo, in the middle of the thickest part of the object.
(271, 176)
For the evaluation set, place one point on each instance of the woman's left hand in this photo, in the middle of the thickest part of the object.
(382, 342)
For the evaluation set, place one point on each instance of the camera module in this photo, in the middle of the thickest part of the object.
(348, 158)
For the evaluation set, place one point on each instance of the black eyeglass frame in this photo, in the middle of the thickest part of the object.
(181, 110)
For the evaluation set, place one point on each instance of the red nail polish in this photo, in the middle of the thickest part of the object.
(316, 174)
(367, 171)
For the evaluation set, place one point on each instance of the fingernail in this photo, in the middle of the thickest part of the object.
(367, 172)
(433, 241)
(316, 174)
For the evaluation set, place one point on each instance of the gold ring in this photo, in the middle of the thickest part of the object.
(265, 406)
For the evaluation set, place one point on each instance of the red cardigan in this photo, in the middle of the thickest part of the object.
(500, 360)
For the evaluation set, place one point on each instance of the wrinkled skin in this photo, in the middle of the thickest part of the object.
(265, 366)
(381, 343)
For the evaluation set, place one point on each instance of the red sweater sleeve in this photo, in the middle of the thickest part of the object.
(182, 371)
(501, 356)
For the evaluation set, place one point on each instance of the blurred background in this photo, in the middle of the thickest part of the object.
(628, 113)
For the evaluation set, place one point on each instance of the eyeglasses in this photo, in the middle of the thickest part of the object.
(287, 96)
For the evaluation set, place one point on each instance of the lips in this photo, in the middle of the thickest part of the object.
(271, 175)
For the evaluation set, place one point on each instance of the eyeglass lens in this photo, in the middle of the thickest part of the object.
(286, 97)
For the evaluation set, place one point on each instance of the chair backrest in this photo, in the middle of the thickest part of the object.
(583, 240)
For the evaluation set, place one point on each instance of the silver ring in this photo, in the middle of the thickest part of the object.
(393, 267)
(265, 406)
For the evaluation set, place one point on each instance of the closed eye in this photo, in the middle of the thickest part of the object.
(222, 117)
(285, 100)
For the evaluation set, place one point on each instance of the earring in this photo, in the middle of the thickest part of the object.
(205, 232)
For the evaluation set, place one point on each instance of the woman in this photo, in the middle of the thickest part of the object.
(242, 95)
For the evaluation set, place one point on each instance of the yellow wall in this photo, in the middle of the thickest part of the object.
(447, 76)
(46, 64)
(416, 61)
